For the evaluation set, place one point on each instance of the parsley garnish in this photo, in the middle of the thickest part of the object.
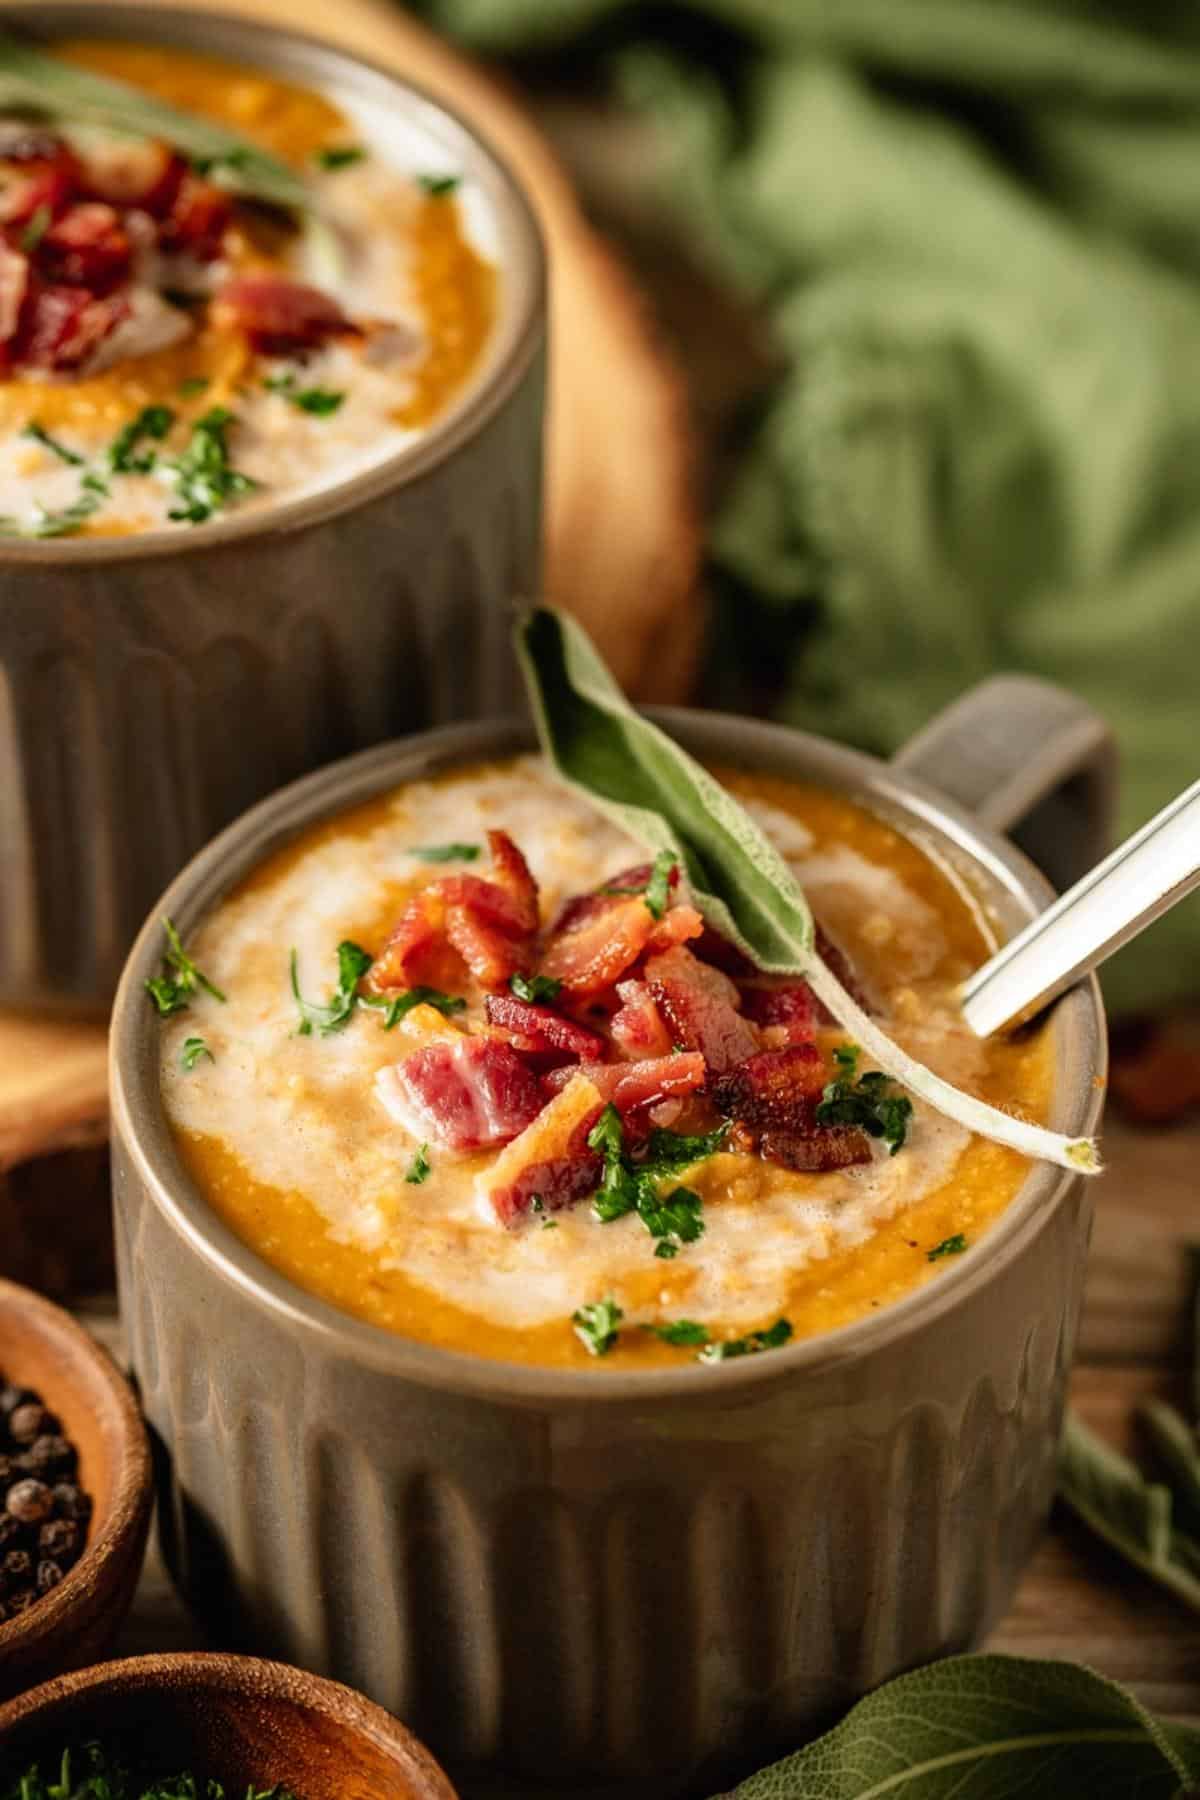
(596, 1325)
(38, 226)
(204, 478)
(420, 1168)
(656, 889)
(89, 1772)
(318, 401)
(122, 455)
(683, 1333)
(395, 1008)
(951, 1246)
(40, 435)
(629, 1185)
(872, 1104)
(353, 963)
(193, 1049)
(339, 156)
(195, 384)
(772, 1338)
(536, 990)
(846, 1057)
(439, 853)
(437, 186)
(172, 991)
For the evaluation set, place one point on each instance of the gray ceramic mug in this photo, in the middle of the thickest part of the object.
(153, 687)
(615, 1581)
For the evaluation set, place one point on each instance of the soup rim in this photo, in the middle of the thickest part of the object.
(516, 337)
(139, 1117)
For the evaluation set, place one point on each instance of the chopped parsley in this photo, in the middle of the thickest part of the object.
(193, 1049)
(656, 889)
(89, 1772)
(596, 1326)
(773, 1338)
(69, 519)
(535, 990)
(172, 991)
(846, 1057)
(420, 1168)
(318, 401)
(444, 853)
(683, 1333)
(339, 156)
(41, 436)
(195, 384)
(438, 186)
(632, 1185)
(394, 1009)
(951, 1246)
(124, 456)
(203, 476)
(871, 1103)
(353, 963)
(38, 226)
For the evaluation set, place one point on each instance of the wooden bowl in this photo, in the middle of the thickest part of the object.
(41, 1347)
(236, 1718)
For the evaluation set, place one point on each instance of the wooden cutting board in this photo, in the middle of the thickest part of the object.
(623, 536)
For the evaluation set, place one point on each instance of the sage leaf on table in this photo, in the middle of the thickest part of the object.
(649, 786)
(30, 80)
(990, 1728)
(1132, 1515)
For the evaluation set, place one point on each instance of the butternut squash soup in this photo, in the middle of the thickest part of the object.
(465, 1065)
(216, 290)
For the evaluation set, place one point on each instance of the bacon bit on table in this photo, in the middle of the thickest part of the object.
(469, 1095)
(550, 1161)
(701, 1008)
(279, 316)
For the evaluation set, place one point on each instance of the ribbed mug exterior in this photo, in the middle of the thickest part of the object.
(150, 695)
(614, 1583)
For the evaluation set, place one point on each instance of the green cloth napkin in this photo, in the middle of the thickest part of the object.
(976, 226)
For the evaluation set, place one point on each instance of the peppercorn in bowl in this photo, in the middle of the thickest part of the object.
(577, 1504)
(76, 1492)
(271, 341)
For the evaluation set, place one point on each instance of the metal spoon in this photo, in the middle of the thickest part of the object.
(1142, 878)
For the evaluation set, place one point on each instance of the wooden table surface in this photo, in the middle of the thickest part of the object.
(1077, 1600)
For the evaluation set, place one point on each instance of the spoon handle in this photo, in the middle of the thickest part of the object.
(1142, 878)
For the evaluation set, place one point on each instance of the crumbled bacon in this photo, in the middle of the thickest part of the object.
(510, 873)
(488, 923)
(14, 279)
(773, 1098)
(787, 1012)
(195, 225)
(541, 1028)
(637, 1027)
(624, 886)
(280, 316)
(591, 954)
(469, 1095)
(60, 327)
(87, 247)
(42, 183)
(677, 925)
(818, 1151)
(134, 172)
(550, 1160)
(701, 1008)
(632, 1085)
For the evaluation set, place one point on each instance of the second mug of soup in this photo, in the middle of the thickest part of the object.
(596, 1494)
(266, 495)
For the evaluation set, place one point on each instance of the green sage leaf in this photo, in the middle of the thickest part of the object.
(1132, 1515)
(990, 1728)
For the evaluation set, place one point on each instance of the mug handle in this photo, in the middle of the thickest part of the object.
(1029, 759)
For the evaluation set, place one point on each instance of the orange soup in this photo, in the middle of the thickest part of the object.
(483, 1077)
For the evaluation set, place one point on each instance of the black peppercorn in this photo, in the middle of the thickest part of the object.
(21, 1601)
(51, 1457)
(16, 1569)
(48, 1575)
(31, 1421)
(61, 1540)
(12, 1532)
(30, 1501)
(70, 1502)
(11, 1397)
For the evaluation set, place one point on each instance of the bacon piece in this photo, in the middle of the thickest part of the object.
(510, 872)
(196, 224)
(550, 1159)
(700, 1006)
(632, 1085)
(817, 1152)
(787, 1013)
(492, 956)
(281, 316)
(637, 1027)
(489, 924)
(416, 951)
(541, 1028)
(773, 1098)
(134, 172)
(713, 948)
(468, 1095)
(47, 180)
(87, 247)
(14, 281)
(60, 327)
(588, 906)
(589, 956)
(677, 925)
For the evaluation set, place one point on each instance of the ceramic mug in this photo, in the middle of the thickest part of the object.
(617, 1581)
(154, 686)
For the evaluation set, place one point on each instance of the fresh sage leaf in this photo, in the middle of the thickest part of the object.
(651, 788)
(990, 1728)
(1134, 1516)
(1175, 1443)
